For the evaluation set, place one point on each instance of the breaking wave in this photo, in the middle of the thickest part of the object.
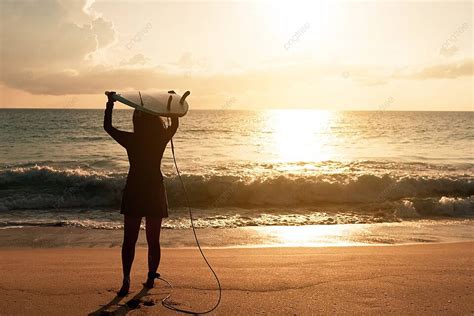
(44, 187)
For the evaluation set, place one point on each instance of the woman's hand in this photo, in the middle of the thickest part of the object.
(110, 100)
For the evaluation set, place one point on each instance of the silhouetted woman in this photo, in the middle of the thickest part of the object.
(144, 194)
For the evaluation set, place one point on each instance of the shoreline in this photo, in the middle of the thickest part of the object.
(404, 279)
(403, 233)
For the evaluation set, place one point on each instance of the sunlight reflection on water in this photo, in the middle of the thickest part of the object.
(301, 135)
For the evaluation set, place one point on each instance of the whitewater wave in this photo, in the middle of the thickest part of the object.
(216, 218)
(45, 187)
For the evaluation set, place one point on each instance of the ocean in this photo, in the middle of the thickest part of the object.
(244, 169)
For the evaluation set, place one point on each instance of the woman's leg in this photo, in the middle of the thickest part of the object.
(130, 236)
(153, 229)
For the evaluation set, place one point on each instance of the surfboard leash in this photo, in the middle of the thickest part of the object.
(164, 301)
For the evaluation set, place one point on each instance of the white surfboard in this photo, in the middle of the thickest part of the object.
(167, 104)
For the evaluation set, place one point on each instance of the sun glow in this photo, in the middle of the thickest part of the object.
(313, 235)
(301, 135)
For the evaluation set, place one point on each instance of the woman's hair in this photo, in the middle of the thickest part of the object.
(147, 123)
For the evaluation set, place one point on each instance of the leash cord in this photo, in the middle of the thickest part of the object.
(164, 301)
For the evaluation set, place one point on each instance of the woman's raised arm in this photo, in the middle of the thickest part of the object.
(121, 137)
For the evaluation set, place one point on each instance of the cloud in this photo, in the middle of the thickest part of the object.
(96, 79)
(453, 70)
(49, 36)
(92, 80)
(138, 59)
(137, 73)
(48, 47)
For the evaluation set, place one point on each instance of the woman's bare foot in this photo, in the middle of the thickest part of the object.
(125, 288)
(150, 281)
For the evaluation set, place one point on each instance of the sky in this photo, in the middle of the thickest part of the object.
(335, 55)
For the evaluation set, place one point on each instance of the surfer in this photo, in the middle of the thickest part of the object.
(144, 194)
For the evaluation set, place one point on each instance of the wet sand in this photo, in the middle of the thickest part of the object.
(409, 279)
(407, 232)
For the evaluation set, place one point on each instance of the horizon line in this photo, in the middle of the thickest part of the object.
(238, 109)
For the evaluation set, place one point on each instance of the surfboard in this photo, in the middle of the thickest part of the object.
(168, 104)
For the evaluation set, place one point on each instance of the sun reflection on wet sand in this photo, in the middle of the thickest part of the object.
(313, 235)
(408, 232)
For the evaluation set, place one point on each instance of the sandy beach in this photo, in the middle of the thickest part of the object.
(409, 279)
